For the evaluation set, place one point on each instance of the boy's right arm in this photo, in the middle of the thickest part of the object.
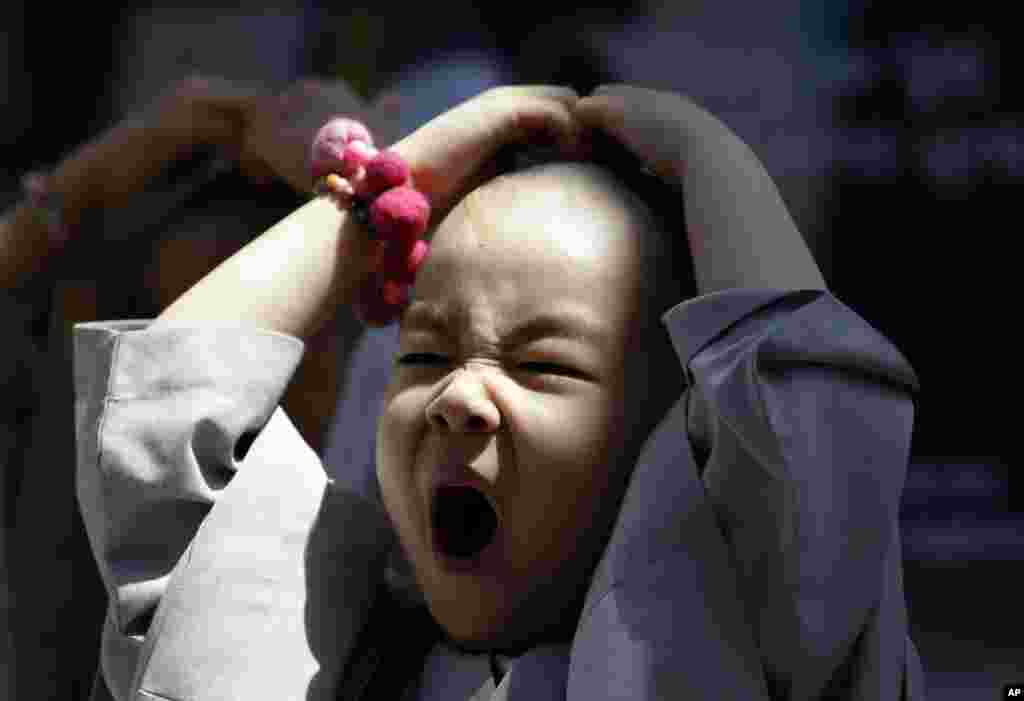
(166, 412)
(292, 278)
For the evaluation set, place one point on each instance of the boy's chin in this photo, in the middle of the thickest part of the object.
(476, 646)
(504, 643)
(465, 639)
(546, 615)
(513, 639)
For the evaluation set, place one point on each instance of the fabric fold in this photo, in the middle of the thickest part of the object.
(259, 608)
(802, 413)
(756, 553)
(158, 415)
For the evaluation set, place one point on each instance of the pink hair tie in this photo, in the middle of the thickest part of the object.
(376, 187)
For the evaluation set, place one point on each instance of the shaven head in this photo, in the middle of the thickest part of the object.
(654, 208)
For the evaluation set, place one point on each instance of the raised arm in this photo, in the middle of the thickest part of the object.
(799, 415)
(740, 232)
(292, 278)
(166, 413)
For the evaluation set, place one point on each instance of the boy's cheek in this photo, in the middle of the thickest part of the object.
(395, 429)
(393, 468)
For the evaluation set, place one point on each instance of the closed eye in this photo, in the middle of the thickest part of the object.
(421, 358)
(549, 368)
(538, 367)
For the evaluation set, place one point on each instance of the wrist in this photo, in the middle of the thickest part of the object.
(297, 177)
(377, 190)
(106, 171)
(187, 116)
(45, 207)
(163, 139)
(293, 164)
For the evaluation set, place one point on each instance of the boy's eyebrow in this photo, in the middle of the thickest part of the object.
(547, 324)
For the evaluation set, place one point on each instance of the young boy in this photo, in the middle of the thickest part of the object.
(719, 555)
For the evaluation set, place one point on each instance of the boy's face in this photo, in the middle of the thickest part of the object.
(536, 422)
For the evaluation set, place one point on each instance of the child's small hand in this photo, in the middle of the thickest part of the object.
(203, 109)
(651, 123)
(447, 155)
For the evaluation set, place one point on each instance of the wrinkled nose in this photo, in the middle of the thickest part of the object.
(464, 407)
(460, 421)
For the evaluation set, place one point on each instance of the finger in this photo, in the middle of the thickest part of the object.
(542, 115)
(625, 90)
(644, 126)
(255, 170)
(222, 93)
(545, 123)
(457, 142)
(448, 151)
(559, 93)
(538, 113)
(606, 112)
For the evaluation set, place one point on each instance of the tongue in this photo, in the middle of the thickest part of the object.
(463, 520)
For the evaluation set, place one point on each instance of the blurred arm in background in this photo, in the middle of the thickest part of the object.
(107, 171)
(267, 133)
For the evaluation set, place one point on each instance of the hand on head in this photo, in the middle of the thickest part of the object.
(649, 122)
(448, 156)
(453, 154)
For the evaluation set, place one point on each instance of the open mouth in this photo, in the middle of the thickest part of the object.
(464, 521)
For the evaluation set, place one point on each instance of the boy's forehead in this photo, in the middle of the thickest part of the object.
(525, 261)
(529, 242)
(561, 217)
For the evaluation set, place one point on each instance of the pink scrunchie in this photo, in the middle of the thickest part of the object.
(376, 187)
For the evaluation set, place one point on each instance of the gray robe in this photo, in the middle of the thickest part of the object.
(756, 554)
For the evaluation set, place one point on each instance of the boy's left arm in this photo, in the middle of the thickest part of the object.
(802, 415)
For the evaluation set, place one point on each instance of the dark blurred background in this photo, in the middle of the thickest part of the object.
(892, 129)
